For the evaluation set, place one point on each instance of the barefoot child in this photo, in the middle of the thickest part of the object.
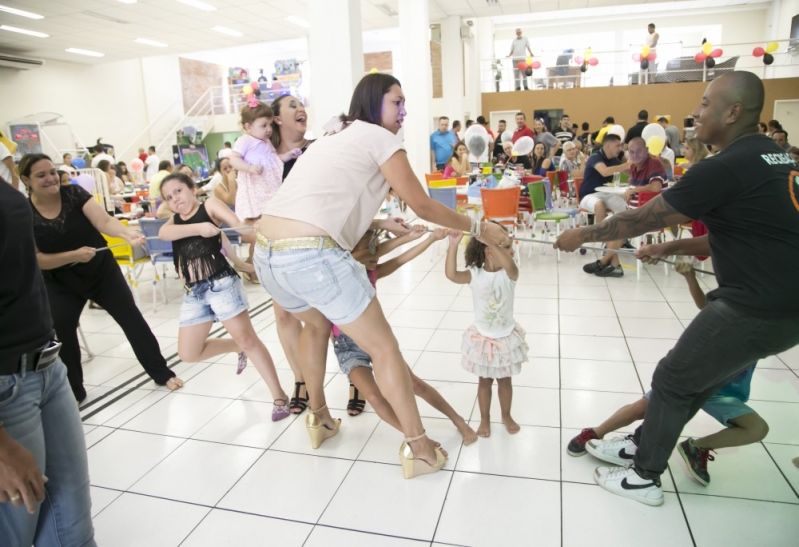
(355, 363)
(213, 289)
(494, 347)
(742, 424)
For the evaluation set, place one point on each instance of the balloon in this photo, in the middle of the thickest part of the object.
(578, 60)
(373, 71)
(758, 51)
(254, 86)
(617, 130)
(652, 56)
(593, 61)
(477, 144)
(528, 71)
(588, 53)
(655, 145)
(536, 64)
(505, 137)
(707, 48)
(636, 57)
(644, 64)
(523, 146)
(86, 182)
(710, 62)
(653, 130)
(645, 51)
(768, 58)
(529, 61)
(601, 135)
(771, 47)
(699, 58)
(718, 52)
(78, 163)
(520, 65)
(583, 68)
(136, 165)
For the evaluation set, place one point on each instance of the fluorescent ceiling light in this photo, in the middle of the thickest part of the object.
(299, 21)
(228, 31)
(87, 52)
(198, 4)
(21, 13)
(148, 42)
(24, 31)
(127, 1)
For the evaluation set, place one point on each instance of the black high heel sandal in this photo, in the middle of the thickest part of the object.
(355, 405)
(298, 404)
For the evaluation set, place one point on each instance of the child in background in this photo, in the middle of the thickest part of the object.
(494, 347)
(260, 169)
(356, 364)
(742, 424)
(213, 289)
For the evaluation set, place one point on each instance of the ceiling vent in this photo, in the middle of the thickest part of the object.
(19, 63)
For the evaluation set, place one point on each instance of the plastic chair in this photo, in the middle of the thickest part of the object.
(438, 175)
(442, 183)
(658, 236)
(160, 253)
(131, 259)
(445, 196)
(501, 205)
(543, 210)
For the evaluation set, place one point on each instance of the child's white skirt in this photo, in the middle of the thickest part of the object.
(494, 357)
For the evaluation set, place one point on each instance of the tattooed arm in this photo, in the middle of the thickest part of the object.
(656, 214)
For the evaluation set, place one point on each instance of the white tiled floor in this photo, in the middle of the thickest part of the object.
(205, 466)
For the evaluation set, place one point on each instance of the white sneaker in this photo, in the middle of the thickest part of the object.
(624, 481)
(618, 450)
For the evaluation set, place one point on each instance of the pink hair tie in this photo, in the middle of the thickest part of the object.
(252, 101)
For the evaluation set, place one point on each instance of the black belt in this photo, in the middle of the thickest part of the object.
(37, 359)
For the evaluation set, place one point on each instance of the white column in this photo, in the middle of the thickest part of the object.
(416, 79)
(479, 51)
(451, 103)
(335, 55)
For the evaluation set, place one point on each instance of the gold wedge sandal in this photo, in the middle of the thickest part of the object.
(317, 430)
(412, 466)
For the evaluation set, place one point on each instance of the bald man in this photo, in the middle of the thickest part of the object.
(748, 196)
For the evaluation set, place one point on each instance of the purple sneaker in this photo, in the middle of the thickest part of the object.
(280, 410)
(242, 363)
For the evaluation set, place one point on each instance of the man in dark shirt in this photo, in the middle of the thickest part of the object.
(564, 133)
(38, 416)
(748, 196)
(599, 169)
(638, 128)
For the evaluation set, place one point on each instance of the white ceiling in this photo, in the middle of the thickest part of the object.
(110, 27)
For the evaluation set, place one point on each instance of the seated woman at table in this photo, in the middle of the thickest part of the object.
(123, 173)
(542, 160)
(115, 184)
(66, 226)
(693, 151)
(512, 161)
(458, 163)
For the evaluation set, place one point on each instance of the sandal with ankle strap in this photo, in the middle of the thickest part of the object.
(355, 405)
(413, 466)
(317, 430)
(298, 404)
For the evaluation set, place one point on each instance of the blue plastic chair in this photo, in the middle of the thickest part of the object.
(160, 252)
(445, 196)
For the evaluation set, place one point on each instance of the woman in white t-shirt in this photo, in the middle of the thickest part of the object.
(303, 259)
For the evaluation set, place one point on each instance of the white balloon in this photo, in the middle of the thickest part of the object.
(617, 130)
(506, 136)
(477, 144)
(653, 130)
(523, 146)
(474, 130)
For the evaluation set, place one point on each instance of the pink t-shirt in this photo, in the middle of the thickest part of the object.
(372, 275)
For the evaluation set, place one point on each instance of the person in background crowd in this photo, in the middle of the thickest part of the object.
(672, 135)
(456, 130)
(780, 136)
(442, 142)
(152, 165)
(519, 49)
(8, 171)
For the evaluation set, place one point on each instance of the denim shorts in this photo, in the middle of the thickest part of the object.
(349, 355)
(722, 408)
(209, 301)
(329, 280)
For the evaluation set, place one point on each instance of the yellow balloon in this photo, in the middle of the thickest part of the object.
(771, 47)
(373, 71)
(529, 60)
(601, 135)
(655, 144)
(707, 48)
(588, 53)
(645, 51)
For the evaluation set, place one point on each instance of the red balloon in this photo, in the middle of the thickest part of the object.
(536, 64)
(718, 52)
(700, 57)
(521, 65)
(758, 52)
(593, 61)
(652, 56)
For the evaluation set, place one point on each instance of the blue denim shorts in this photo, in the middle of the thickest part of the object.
(349, 355)
(722, 408)
(329, 280)
(217, 300)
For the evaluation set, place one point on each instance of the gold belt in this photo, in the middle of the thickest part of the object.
(296, 243)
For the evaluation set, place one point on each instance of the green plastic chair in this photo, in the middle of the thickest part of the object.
(538, 197)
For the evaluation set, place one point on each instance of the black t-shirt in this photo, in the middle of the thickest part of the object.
(593, 178)
(289, 164)
(70, 230)
(748, 196)
(25, 320)
(635, 131)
